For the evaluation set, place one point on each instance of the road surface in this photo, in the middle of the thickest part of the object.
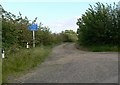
(67, 64)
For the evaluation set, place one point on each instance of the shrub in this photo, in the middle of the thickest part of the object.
(99, 25)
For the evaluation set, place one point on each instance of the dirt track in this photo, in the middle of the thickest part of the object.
(66, 64)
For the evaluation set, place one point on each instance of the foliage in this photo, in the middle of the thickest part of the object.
(44, 36)
(99, 25)
(69, 36)
(15, 33)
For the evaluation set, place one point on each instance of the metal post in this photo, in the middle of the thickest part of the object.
(33, 38)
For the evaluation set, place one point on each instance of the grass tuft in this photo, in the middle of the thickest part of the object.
(16, 63)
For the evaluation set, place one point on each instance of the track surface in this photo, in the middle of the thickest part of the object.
(67, 64)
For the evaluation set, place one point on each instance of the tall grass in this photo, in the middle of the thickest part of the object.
(98, 48)
(16, 63)
(0, 71)
(104, 48)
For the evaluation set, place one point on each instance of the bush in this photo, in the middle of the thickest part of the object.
(69, 36)
(99, 25)
(15, 32)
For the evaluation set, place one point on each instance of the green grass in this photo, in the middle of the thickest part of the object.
(104, 48)
(17, 63)
(99, 48)
(0, 71)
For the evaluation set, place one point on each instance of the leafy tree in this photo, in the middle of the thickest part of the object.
(15, 33)
(99, 25)
(15, 30)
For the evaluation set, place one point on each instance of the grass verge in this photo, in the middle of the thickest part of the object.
(99, 48)
(0, 71)
(25, 59)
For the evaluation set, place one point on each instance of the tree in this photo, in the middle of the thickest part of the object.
(99, 25)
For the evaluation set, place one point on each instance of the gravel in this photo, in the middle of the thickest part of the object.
(67, 64)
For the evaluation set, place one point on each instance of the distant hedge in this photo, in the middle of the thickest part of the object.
(69, 36)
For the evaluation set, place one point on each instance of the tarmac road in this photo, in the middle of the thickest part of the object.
(67, 64)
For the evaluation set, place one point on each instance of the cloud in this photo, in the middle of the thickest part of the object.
(64, 24)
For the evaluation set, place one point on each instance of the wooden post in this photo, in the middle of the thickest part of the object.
(3, 53)
(27, 45)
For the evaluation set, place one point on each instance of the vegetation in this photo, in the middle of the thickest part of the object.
(98, 31)
(98, 48)
(15, 35)
(69, 36)
(23, 60)
(0, 70)
(15, 32)
(99, 26)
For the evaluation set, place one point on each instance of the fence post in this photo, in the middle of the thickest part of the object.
(3, 53)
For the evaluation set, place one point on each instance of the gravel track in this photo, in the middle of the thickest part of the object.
(67, 64)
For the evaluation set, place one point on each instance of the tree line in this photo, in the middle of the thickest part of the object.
(15, 33)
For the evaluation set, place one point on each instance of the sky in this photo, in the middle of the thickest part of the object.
(58, 15)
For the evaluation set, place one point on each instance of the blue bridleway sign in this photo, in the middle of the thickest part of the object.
(33, 27)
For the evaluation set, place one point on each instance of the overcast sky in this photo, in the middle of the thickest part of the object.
(58, 15)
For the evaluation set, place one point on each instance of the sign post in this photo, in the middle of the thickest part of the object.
(33, 38)
(33, 28)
